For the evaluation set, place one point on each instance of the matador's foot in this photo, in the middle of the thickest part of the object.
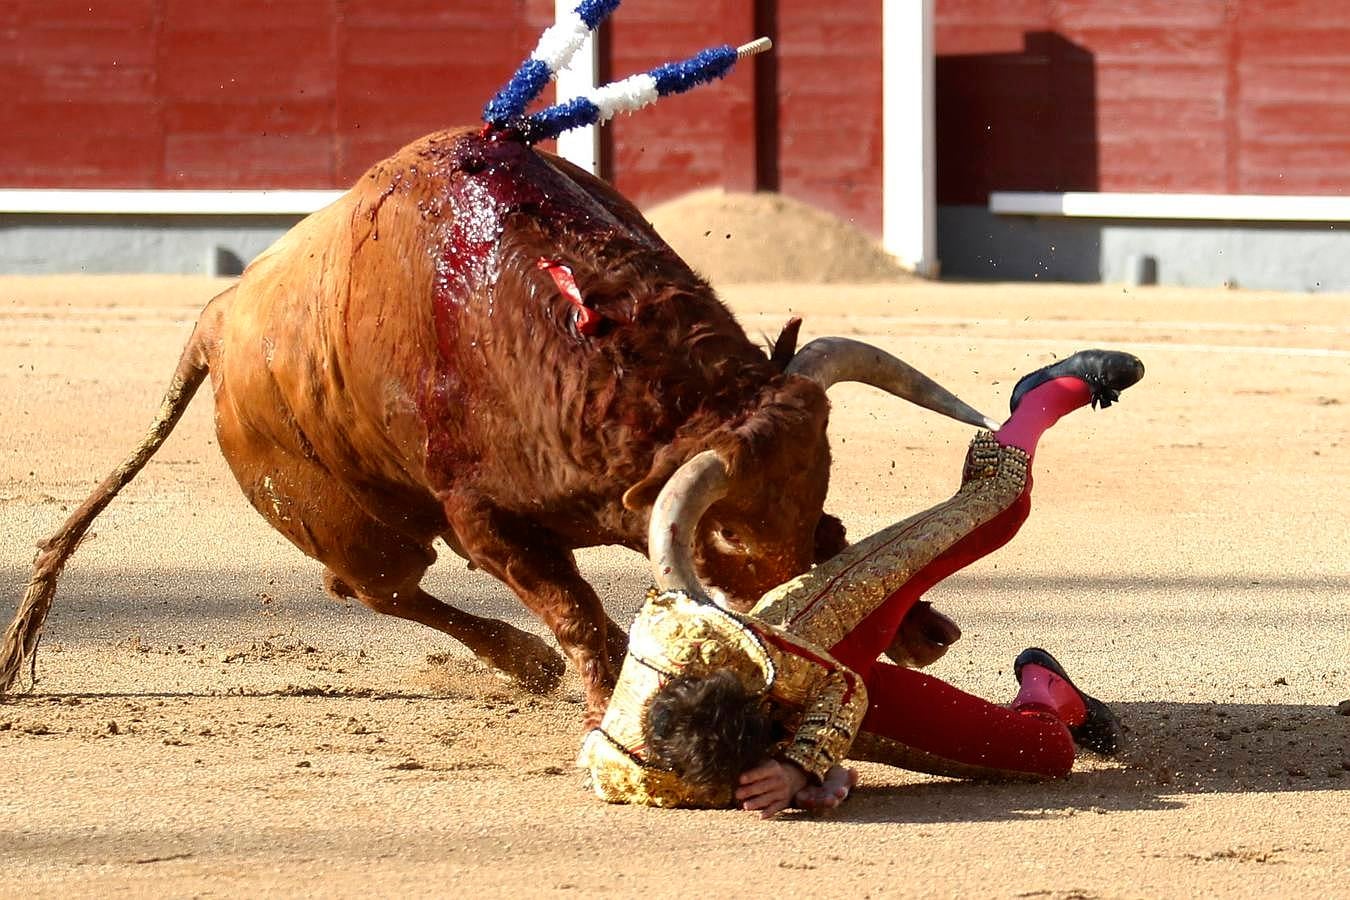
(1045, 685)
(1105, 372)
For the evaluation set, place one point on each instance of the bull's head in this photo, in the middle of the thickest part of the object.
(747, 514)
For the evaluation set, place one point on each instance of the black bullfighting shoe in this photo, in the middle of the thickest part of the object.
(1105, 372)
(1093, 726)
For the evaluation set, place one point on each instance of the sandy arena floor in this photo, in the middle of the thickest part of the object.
(207, 723)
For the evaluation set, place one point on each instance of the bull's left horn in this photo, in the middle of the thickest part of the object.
(694, 487)
(829, 360)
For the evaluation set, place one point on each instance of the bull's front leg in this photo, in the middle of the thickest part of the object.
(543, 573)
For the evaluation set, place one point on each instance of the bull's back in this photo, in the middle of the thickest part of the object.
(319, 344)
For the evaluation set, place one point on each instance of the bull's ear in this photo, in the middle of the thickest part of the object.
(727, 443)
(644, 493)
(786, 346)
(669, 458)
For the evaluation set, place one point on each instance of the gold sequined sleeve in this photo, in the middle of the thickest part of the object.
(825, 604)
(831, 697)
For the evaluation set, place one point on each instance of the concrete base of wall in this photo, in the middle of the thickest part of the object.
(974, 243)
(110, 244)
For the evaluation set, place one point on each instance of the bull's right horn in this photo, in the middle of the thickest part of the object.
(829, 360)
(694, 487)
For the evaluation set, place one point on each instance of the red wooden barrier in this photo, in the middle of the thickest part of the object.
(1131, 95)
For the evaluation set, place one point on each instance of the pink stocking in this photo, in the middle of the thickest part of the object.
(1040, 408)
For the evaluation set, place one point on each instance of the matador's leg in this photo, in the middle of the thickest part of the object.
(864, 587)
(855, 602)
(917, 722)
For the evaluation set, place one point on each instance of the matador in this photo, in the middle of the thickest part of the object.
(714, 708)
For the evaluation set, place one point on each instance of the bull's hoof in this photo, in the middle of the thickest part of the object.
(532, 664)
(336, 588)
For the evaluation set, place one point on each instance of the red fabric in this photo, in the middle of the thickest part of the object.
(588, 320)
(927, 714)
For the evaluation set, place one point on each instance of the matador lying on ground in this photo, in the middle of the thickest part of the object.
(714, 708)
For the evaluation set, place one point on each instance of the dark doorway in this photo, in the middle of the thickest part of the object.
(1016, 121)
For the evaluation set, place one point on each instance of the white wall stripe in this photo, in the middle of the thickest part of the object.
(1195, 207)
(168, 202)
(909, 204)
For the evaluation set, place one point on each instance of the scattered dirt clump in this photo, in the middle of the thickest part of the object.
(739, 238)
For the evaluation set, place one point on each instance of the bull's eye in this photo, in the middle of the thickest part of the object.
(727, 541)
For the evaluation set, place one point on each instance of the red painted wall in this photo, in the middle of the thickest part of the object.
(241, 94)
(829, 114)
(677, 145)
(308, 93)
(1238, 96)
(821, 140)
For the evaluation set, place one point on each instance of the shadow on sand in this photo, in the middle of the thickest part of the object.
(1172, 750)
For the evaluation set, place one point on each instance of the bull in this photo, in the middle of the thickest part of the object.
(482, 343)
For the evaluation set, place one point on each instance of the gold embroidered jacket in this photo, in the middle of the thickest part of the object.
(821, 701)
(823, 605)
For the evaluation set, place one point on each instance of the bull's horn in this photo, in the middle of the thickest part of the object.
(829, 360)
(694, 487)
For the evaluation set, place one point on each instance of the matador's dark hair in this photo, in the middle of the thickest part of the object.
(708, 730)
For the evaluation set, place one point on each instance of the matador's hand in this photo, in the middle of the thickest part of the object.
(831, 792)
(770, 786)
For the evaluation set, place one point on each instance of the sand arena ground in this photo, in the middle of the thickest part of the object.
(208, 723)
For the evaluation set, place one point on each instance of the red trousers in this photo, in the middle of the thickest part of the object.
(920, 722)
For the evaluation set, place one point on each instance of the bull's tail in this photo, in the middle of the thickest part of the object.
(21, 640)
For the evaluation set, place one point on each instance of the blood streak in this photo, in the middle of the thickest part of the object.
(488, 178)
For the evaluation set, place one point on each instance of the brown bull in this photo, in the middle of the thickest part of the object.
(406, 364)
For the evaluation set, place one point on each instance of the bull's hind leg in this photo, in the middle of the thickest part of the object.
(374, 563)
